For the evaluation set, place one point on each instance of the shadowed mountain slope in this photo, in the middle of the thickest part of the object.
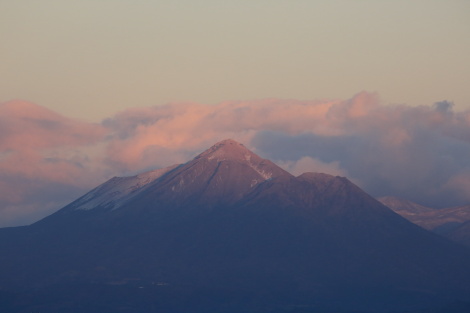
(461, 234)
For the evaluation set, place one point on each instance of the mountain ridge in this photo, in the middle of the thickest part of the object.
(450, 222)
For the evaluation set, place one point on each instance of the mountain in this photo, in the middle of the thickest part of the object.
(229, 232)
(441, 221)
(405, 207)
(117, 191)
(461, 233)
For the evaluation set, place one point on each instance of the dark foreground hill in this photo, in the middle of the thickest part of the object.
(229, 232)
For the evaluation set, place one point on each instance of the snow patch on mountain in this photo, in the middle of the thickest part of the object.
(264, 174)
(231, 150)
(227, 149)
(118, 190)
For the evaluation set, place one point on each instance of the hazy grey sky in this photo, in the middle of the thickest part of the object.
(90, 59)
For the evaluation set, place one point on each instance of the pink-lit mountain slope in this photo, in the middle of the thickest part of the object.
(117, 191)
(442, 221)
(405, 207)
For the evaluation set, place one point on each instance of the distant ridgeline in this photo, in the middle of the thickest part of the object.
(453, 223)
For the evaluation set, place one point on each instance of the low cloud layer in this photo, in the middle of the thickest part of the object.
(45, 161)
(418, 153)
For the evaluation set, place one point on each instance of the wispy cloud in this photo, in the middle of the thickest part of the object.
(44, 160)
(420, 153)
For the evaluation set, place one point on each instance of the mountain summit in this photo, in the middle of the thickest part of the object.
(223, 174)
(228, 231)
(227, 149)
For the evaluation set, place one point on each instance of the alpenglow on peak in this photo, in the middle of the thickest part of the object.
(227, 149)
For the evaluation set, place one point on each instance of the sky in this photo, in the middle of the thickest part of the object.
(373, 90)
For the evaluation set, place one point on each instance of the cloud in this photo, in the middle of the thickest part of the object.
(308, 164)
(417, 153)
(420, 153)
(412, 152)
(148, 136)
(443, 106)
(25, 126)
(458, 185)
(43, 160)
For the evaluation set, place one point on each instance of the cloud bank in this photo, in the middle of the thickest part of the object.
(45, 160)
(419, 153)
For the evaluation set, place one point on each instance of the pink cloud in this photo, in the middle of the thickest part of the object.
(39, 147)
(24, 125)
(308, 164)
(189, 127)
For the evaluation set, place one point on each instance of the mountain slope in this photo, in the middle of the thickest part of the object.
(117, 191)
(405, 207)
(231, 232)
(441, 221)
(461, 234)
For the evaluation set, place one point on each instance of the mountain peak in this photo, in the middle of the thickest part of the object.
(228, 141)
(227, 149)
(221, 175)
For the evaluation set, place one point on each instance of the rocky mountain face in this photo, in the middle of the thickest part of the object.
(448, 222)
(229, 232)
